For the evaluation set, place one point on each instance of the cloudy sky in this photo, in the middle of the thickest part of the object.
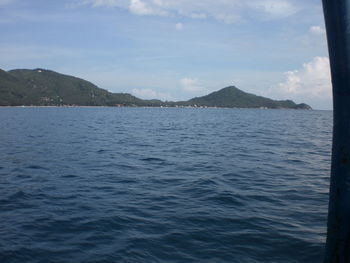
(174, 49)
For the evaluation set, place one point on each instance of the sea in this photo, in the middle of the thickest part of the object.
(99, 184)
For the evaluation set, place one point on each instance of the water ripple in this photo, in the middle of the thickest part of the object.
(163, 185)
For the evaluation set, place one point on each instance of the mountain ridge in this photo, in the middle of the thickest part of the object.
(42, 87)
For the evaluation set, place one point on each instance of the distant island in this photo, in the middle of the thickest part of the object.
(40, 87)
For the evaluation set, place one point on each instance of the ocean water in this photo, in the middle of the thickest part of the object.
(163, 185)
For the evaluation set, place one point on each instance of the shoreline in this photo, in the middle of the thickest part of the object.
(148, 107)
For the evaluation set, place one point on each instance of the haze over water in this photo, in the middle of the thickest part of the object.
(163, 185)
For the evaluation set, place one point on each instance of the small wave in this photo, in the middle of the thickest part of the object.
(223, 189)
(15, 200)
(153, 159)
(36, 167)
(126, 166)
(206, 182)
(23, 176)
(227, 199)
(156, 161)
(69, 176)
(18, 196)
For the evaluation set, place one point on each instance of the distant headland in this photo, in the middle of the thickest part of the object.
(40, 87)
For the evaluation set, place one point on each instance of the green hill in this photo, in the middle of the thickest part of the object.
(232, 97)
(40, 87)
(44, 88)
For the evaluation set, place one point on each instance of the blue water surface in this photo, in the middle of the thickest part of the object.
(163, 185)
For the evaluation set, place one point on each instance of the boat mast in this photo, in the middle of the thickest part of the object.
(337, 18)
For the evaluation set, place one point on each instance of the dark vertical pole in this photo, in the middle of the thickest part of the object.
(337, 17)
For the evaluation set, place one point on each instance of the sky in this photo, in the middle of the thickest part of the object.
(174, 49)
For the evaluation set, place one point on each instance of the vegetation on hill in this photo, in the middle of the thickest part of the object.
(232, 97)
(46, 88)
(41, 87)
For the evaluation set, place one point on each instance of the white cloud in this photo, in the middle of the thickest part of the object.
(313, 80)
(191, 85)
(227, 11)
(198, 15)
(139, 7)
(317, 30)
(158, 2)
(100, 3)
(179, 26)
(227, 18)
(278, 8)
(151, 94)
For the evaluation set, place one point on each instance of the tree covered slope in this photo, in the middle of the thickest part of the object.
(41, 87)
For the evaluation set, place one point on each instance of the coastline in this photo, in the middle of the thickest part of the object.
(148, 107)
